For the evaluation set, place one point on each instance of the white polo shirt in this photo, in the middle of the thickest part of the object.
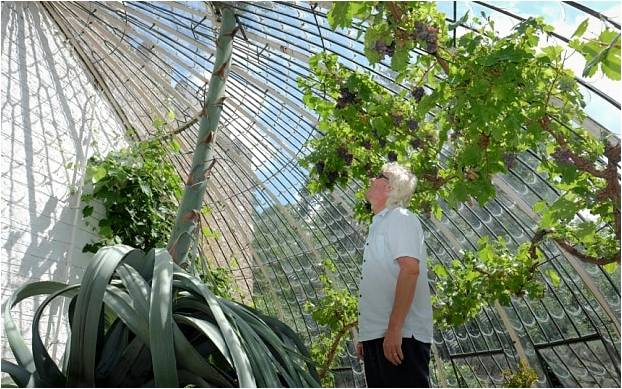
(393, 233)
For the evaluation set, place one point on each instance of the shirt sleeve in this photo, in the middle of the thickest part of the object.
(405, 238)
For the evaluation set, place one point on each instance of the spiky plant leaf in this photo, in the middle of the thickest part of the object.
(213, 342)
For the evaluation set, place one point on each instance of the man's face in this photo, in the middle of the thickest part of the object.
(378, 189)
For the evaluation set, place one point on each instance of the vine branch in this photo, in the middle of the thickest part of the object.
(333, 348)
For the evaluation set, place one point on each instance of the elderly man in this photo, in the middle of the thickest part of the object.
(395, 311)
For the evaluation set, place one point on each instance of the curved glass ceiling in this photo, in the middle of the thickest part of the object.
(152, 58)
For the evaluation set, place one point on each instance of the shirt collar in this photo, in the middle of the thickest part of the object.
(380, 214)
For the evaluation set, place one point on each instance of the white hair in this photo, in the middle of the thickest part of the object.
(402, 182)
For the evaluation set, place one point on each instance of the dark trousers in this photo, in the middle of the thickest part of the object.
(413, 372)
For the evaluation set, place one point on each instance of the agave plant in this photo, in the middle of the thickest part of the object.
(140, 320)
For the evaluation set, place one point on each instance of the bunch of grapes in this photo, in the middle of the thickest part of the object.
(345, 155)
(412, 124)
(392, 156)
(346, 98)
(418, 93)
(509, 159)
(381, 141)
(427, 34)
(366, 144)
(562, 156)
(383, 49)
(397, 119)
(416, 143)
(319, 167)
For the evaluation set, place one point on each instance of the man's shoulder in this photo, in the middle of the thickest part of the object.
(405, 215)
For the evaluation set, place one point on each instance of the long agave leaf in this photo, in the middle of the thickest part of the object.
(284, 346)
(121, 304)
(186, 378)
(48, 373)
(189, 211)
(19, 375)
(210, 331)
(137, 287)
(260, 331)
(161, 322)
(259, 356)
(22, 353)
(240, 359)
(186, 354)
(194, 362)
(88, 311)
(128, 357)
(116, 340)
(287, 333)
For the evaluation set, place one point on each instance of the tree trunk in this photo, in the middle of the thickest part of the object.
(189, 212)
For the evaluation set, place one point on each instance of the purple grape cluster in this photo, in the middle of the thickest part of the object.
(345, 155)
(509, 159)
(331, 177)
(562, 156)
(366, 144)
(427, 34)
(346, 98)
(392, 156)
(384, 49)
(412, 124)
(397, 119)
(382, 142)
(416, 143)
(418, 93)
(319, 167)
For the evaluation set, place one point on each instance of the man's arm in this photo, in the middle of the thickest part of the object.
(404, 295)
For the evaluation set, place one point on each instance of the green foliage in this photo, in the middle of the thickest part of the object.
(466, 114)
(138, 188)
(164, 328)
(480, 278)
(337, 310)
(601, 53)
(220, 281)
(524, 377)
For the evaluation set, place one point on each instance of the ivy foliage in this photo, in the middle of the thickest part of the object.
(139, 189)
(337, 311)
(464, 114)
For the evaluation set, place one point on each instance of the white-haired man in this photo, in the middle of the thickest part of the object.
(395, 310)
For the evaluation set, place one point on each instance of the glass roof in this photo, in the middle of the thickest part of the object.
(150, 58)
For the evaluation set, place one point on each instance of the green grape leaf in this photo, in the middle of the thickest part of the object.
(540, 206)
(340, 15)
(440, 271)
(581, 29)
(400, 58)
(611, 267)
(553, 276)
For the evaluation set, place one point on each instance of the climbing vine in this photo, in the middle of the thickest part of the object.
(337, 311)
(464, 114)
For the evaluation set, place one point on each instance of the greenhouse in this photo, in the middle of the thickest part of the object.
(193, 194)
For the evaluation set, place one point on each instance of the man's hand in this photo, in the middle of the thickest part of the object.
(392, 346)
(359, 350)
